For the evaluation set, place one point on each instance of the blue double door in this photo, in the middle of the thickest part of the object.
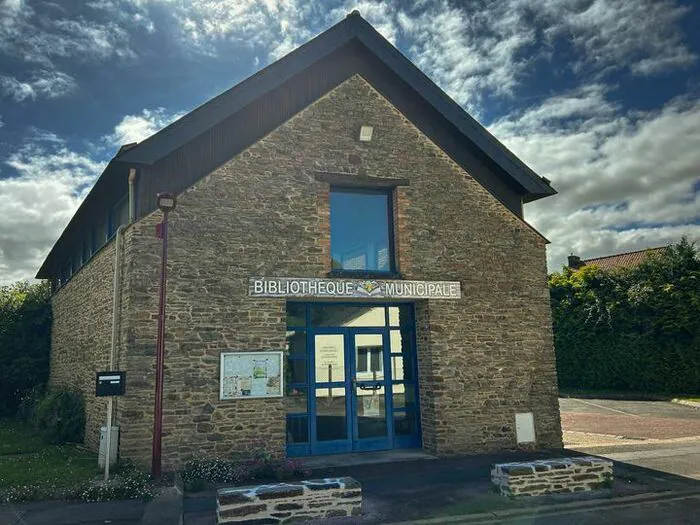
(362, 392)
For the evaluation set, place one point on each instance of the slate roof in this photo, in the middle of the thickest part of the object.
(622, 260)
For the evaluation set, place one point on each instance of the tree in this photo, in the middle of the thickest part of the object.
(632, 328)
(25, 341)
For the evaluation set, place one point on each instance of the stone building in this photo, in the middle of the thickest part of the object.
(349, 270)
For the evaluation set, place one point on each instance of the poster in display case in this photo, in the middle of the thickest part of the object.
(249, 375)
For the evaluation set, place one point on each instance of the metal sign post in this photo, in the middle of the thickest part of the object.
(166, 203)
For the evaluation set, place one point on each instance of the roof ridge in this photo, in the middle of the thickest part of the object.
(625, 253)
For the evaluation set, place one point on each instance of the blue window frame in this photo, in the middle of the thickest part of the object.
(361, 230)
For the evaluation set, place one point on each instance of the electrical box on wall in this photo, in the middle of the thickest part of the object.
(525, 427)
(113, 446)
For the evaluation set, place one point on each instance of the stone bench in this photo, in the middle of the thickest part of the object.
(294, 502)
(551, 476)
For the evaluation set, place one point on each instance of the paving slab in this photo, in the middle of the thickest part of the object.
(65, 513)
(448, 487)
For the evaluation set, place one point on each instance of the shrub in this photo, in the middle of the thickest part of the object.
(28, 403)
(60, 417)
(25, 339)
(199, 473)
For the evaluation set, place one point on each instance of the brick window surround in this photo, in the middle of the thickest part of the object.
(396, 189)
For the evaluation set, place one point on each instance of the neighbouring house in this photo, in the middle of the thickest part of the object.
(349, 270)
(620, 260)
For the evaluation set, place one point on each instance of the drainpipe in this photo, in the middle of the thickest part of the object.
(132, 201)
(116, 304)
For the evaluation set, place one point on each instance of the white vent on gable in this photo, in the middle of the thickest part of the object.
(366, 133)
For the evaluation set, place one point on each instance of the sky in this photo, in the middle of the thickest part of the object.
(602, 97)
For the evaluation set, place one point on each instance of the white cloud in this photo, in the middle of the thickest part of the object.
(625, 181)
(47, 183)
(487, 48)
(39, 38)
(472, 50)
(642, 35)
(37, 201)
(46, 84)
(135, 128)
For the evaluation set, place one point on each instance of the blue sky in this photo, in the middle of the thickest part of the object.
(600, 96)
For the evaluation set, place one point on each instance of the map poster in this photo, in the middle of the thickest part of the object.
(248, 375)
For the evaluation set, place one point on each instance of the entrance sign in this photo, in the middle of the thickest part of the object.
(110, 384)
(247, 375)
(352, 288)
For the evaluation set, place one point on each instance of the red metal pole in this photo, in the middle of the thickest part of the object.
(160, 355)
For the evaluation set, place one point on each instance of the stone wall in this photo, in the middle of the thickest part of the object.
(290, 502)
(263, 213)
(81, 336)
(552, 476)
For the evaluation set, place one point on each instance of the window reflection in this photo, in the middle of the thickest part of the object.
(360, 230)
(296, 343)
(369, 357)
(330, 415)
(296, 400)
(404, 395)
(348, 316)
(404, 424)
(296, 371)
(371, 411)
(297, 429)
(296, 314)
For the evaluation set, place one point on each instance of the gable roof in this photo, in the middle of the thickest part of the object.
(620, 260)
(189, 148)
(353, 27)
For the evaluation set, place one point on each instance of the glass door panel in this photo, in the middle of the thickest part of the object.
(371, 411)
(331, 418)
(329, 357)
(370, 387)
(331, 412)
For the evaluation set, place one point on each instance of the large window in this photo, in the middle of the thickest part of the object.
(360, 230)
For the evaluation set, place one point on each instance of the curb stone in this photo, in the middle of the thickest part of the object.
(686, 403)
(556, 508)
(164, 509)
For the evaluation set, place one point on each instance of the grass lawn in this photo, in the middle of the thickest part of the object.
(26, 460)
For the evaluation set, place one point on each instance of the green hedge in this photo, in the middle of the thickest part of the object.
(25, 341)
(633, 329)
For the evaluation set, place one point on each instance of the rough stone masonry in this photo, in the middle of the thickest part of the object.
(552, 476)
(290, 502)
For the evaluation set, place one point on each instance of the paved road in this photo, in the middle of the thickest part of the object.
(653, 434)
(678, 512)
